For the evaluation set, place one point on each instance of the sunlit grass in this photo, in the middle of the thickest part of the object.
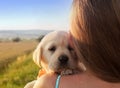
(16, 65)
(10, 50)
(19, 72)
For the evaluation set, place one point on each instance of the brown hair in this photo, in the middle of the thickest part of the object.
(95, 26)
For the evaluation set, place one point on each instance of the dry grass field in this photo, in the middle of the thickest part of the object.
(15, 60)
(10, 50)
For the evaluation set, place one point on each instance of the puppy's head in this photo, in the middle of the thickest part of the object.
(55, 52)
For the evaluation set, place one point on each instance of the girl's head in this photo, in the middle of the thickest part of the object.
(95, 27)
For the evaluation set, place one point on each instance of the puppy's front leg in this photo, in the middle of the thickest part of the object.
(30, 84)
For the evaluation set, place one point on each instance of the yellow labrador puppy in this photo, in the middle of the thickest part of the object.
(55, 54)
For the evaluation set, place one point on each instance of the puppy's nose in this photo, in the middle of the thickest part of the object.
(63, 59)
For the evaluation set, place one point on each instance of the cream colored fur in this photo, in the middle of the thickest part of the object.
(48, 51)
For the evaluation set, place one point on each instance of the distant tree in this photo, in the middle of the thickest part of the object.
(17, 39)
(40, 38)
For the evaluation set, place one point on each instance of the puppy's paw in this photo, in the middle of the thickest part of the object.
(67, 72)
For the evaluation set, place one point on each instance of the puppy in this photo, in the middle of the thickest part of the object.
(56, 54)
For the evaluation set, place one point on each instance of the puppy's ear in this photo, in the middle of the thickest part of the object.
(37, 55)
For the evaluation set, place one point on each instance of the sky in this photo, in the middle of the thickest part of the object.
(34, 14)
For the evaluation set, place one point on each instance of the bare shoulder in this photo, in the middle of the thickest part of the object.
(46, 81)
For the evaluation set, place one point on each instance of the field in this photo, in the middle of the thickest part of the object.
(19, 72)
(10, 50)
(16, 64)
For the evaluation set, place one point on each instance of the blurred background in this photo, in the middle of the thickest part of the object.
(23, 23)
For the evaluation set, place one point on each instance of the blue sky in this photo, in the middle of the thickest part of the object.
(34, 14)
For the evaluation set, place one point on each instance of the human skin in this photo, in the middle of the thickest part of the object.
(82, 80)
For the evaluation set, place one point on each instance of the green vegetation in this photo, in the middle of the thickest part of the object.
(16, 65)
(17, 39)
(10, 50)
(19, 72)
(40, 38)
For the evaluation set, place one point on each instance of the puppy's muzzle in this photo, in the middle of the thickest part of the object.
(63, 59)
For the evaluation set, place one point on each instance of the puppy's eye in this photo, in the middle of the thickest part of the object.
(70, 48)
(53, 48)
